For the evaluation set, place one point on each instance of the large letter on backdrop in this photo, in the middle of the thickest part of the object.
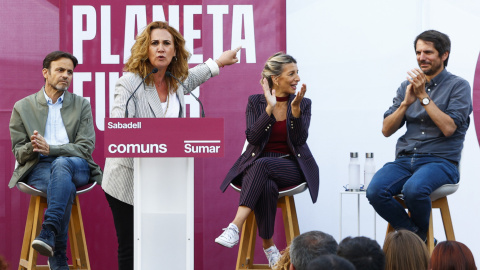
(78, 24)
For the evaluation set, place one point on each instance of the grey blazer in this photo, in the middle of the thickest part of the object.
(118, 172)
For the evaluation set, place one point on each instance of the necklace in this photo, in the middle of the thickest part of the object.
(280, 99)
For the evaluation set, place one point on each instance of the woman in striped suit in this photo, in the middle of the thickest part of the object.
(277, 155)
(162, 47)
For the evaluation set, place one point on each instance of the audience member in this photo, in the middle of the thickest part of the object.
(404, 250)
(330, 262)
(308, 246)
(284, 261)
(452, 255)
(363, 252)
(3, 263)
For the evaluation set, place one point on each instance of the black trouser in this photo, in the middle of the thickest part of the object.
(123, 219)
(260, 185)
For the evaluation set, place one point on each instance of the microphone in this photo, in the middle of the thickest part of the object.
(154, 70)
(168, 73)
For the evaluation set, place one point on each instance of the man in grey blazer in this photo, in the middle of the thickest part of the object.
(53, 139)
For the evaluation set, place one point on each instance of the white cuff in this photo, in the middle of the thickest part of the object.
(214, 69)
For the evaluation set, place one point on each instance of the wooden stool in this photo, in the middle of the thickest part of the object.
(246, 250)
(439, 200)
(76, 232)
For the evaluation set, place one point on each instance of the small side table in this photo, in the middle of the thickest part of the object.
(357, 193)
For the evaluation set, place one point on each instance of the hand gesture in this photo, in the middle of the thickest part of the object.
(409, 95)
(39, 144)
(298, 98)
(417, 79)
(270, 97)
(228, 57)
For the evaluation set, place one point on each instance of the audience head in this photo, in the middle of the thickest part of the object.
(308, 246)
(452, 255)
(3, 264)
(284, 261)
(330, 262)
(363, 252)
(404, 250)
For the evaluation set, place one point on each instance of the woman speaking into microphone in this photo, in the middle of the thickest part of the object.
(145, 91)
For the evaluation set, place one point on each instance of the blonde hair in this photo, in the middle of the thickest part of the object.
(404, 250)
(274, 66)
(139, 63)
(284, 261)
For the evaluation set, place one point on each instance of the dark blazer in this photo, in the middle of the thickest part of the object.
(258, 132)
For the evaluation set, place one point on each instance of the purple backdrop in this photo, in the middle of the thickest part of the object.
(31, 29)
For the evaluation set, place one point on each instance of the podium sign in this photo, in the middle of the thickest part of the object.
(164, 137)
(163, 151)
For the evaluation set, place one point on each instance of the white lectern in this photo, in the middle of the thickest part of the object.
(163, 213)
(164, 182)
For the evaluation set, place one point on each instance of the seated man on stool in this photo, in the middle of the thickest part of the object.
(435, 105)
(53, 139)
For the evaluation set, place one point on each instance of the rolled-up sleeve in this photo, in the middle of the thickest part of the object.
(397, 101)
(460, 103)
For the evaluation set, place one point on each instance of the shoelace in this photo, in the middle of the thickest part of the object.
(229, 235)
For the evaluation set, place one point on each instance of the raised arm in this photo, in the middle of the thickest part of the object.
(395, 120)
(442, 120)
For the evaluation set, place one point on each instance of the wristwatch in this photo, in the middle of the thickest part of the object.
(425, 101)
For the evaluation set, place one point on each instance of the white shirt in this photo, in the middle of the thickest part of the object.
(55, 132)
(173, 106)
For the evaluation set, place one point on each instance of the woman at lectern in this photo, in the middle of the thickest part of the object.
(277, 155)
(158, 53)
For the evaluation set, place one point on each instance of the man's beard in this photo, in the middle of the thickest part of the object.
(432, 70)
(59, 88)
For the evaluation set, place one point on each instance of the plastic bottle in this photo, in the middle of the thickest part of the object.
(369, 169)
(354, 172)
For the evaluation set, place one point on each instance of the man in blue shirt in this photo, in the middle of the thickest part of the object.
(435, 105)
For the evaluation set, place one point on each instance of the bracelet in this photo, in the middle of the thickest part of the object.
(220, 63)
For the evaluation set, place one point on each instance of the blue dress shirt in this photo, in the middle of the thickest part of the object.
(55, 132)
(452, 95)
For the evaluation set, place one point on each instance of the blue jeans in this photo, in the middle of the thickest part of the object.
(59, 177)
(416, 177)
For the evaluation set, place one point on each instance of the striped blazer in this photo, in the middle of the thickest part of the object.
(118, 172)
(258, 132)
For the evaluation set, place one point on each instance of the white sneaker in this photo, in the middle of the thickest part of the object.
(229, 237)
(273, 255)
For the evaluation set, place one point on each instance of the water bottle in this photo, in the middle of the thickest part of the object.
(369, 169)
(354, 172)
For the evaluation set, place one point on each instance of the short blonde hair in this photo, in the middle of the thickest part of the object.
(274, 66)
(404, 250)
(139, 63)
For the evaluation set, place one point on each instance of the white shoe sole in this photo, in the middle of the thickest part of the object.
(42, 248)
(225, 244)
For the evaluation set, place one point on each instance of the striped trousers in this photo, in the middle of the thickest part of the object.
(260, 184)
